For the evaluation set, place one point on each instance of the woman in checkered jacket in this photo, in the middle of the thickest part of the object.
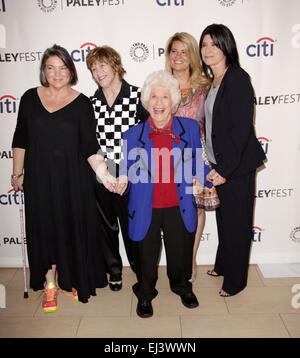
(117, 107)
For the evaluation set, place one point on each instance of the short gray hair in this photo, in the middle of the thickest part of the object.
(164, 79)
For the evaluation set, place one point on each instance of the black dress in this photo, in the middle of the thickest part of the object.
(62, 226)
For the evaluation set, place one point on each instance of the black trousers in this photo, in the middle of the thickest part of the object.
(178, 244)
(235, 222)
(114, 208)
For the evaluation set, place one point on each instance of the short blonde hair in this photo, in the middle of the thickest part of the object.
(106, 54)
(164, 79)
(197, 77)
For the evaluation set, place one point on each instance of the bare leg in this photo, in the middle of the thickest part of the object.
(51, 275)
(199, 231)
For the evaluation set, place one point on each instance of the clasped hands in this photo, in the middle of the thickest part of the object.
(115, 185)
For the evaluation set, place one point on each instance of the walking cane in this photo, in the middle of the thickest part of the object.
(22, 224)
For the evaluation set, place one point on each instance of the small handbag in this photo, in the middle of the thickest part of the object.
(208, 199)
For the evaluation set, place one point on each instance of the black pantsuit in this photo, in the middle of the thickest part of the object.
(114, 207)
(234, 220)
(238, 154)
(178, 247)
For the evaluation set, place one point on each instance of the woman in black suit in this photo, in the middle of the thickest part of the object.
(234, 153)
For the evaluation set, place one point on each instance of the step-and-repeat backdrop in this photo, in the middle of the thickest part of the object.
(268, 39)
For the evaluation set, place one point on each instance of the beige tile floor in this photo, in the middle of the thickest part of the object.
(263, 309)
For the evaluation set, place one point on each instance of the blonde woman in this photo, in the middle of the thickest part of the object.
(183, 62)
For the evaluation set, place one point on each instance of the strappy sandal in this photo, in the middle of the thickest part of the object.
(224, 294)
(213, 273)
(49, 302)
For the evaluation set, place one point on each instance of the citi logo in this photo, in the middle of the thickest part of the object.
(80, 54)
(170, 2)
(264, 142)
(11, 198)
(263, 47)
(257, 234)
(8, 104)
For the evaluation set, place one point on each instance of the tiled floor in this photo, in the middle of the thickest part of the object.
(263, 309)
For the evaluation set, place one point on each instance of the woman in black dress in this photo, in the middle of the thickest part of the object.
(55, 143)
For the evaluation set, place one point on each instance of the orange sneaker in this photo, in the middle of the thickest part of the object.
(49, 303)
(74, 294)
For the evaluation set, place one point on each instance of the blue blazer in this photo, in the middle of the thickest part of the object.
(187, 163)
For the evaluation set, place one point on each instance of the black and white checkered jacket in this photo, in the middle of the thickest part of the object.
(112, 122)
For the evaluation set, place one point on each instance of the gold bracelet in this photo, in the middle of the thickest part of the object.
(16, 176)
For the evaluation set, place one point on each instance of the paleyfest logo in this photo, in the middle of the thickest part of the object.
(47, 5)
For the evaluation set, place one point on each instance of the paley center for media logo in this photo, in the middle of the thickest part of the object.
(140, 51)
(263, 47)
(47, 5)
(295, 235)
(226, 3)
(257, 233)
(79, 55)
(8, 104)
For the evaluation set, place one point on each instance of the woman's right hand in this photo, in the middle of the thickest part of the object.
(17, 183)
(110, 182)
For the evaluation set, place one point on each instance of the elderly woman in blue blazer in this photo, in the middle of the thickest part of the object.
(233, 151)
(163, 163)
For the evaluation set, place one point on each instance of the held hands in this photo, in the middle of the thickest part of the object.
(110, 182)
(122, 184)
(215, 178)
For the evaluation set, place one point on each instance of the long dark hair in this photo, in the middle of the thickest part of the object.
(224, 40)
(62, 54)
